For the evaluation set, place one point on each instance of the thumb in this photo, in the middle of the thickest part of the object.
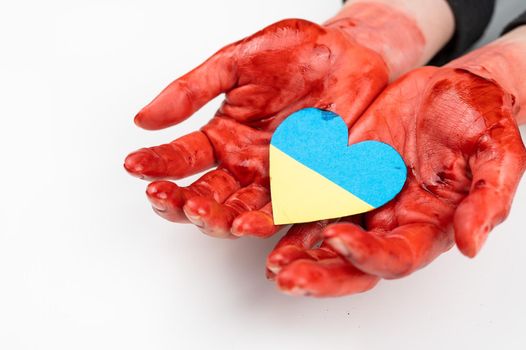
(186, 95)
(497, 167)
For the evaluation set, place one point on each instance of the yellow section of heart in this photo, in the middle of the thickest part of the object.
(299, 194)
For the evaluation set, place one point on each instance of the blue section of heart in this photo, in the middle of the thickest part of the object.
(371, 170)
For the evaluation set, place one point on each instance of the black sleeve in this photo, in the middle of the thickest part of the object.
(471, 19)
(519, 21)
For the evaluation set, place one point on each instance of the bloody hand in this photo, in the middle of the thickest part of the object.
(457, 133)
(285, 67)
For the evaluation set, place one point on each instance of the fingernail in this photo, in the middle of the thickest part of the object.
(138, 118)
(339, 246)
(144, 163)
(253, 224)
(195, 211)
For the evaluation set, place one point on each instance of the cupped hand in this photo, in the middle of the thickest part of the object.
(285, 67)
(457, 134)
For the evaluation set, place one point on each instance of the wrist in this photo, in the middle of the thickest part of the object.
(405, 33)
(503, 61)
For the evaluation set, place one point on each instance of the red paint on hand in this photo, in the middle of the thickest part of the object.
(285, 67)
(458, 136)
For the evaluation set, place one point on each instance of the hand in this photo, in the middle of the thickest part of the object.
(285, 67)
(340, 66)
(457, 134)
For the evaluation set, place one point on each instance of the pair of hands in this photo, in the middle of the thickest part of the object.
(455, 130)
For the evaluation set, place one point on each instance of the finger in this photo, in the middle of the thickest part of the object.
(295, 245)
(284, 256)
(183, 157)
(391, 254)
(304, 236)
(257, 223)
(497, 168)
(190, 92)
(247, 102)
(253, 102)
(325, 278)
(168, 199)
(215, 218)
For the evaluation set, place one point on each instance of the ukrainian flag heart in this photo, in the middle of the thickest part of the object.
(315, 174)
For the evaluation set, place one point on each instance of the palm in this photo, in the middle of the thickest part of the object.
(285, 67)
(465, 157)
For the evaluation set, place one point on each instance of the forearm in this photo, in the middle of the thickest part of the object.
(406, 33)
(503, 61)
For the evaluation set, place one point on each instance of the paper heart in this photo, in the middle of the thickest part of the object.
(315, 174)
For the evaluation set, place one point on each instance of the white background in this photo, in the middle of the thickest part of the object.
(85, 263)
